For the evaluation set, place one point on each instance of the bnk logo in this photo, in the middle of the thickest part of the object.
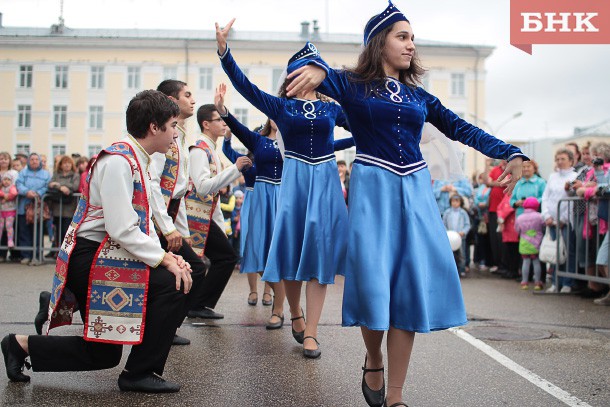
(559, 22)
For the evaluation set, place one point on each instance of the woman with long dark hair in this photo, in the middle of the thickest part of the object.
(400, 276)
(309, 238)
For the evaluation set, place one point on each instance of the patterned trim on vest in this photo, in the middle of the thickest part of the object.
(199, 209)
(118, 281)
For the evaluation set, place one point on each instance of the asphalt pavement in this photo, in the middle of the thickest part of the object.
(519, 349)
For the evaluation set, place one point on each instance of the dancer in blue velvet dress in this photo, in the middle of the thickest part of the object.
(401, 276)
(250, 179)
(263, 199)
(309, 239)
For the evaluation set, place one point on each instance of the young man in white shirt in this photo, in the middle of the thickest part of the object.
(128, 289)
(170, 181)
(208, 178)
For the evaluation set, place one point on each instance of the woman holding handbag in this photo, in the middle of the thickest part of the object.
(556, 189)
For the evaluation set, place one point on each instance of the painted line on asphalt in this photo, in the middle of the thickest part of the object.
(532, 377)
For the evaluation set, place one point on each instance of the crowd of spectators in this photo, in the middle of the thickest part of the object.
(505, 233)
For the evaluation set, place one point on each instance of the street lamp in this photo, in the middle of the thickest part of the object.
(494, 132)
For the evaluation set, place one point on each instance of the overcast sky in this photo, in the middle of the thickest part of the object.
(557, 88)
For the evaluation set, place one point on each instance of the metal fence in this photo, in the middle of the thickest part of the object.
(39, 227)
(582, 240)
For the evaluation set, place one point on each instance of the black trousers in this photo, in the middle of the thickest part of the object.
(198, 273)
(495, 241)
(72, 353)
(223, 259)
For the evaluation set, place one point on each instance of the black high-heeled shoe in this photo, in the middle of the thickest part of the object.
(312, 353)
(298, 336)
(374, 398)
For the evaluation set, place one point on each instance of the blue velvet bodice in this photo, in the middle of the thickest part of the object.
(387, 119)
(269, 162)
(232, 155)
(306, 126)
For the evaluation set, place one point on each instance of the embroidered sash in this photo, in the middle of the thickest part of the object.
(170, 173)
(199, 209)
(118, 282)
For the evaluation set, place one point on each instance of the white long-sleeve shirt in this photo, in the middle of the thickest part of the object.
(554, 191)
(111, 209)
(159, 208)
(201, 175)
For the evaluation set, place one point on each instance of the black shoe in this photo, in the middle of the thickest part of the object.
(205, 313)
(265, 302)
(298, 336)
(43, 311)
(374, 398)
(253, 301)
(275, 325)
(149, 383)
(179, 340)
(14, 359)
(589, 293)
(312, 353)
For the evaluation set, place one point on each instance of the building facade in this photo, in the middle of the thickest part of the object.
(66, 90)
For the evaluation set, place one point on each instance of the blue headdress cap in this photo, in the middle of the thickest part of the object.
(308, 53)
(383, 20)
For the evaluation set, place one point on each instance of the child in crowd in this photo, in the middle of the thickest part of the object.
(456, 218)
(8, 207)
(16, 165)
(530, 226)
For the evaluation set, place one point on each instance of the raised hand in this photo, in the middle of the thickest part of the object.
(222, 35)
(219, 99)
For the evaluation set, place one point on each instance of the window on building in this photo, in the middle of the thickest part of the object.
(170, 72)
(457, 84)
(241, 114)
(60, 117)
(94, 149)
(24, 116)
(97, 77)
(205, 78)
(25, 76)
(22, 148)
(133, 77)
(58, 149)
(96, 117)
(275, 78)
(61, 77)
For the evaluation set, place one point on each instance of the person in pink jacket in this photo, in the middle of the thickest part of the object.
(530, 226)
(8, 207)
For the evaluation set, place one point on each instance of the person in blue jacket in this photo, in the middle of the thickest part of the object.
(310, 233)
(401, 276)
(32, 183)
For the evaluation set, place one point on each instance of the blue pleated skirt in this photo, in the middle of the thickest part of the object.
(310, 235)
(243, 222)
(400, 268)
(263, 208)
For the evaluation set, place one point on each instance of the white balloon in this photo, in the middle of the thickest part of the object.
(455, 240)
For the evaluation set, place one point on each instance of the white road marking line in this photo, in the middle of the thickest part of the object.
(532, 377)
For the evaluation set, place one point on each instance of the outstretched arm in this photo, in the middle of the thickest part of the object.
(266, 103)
